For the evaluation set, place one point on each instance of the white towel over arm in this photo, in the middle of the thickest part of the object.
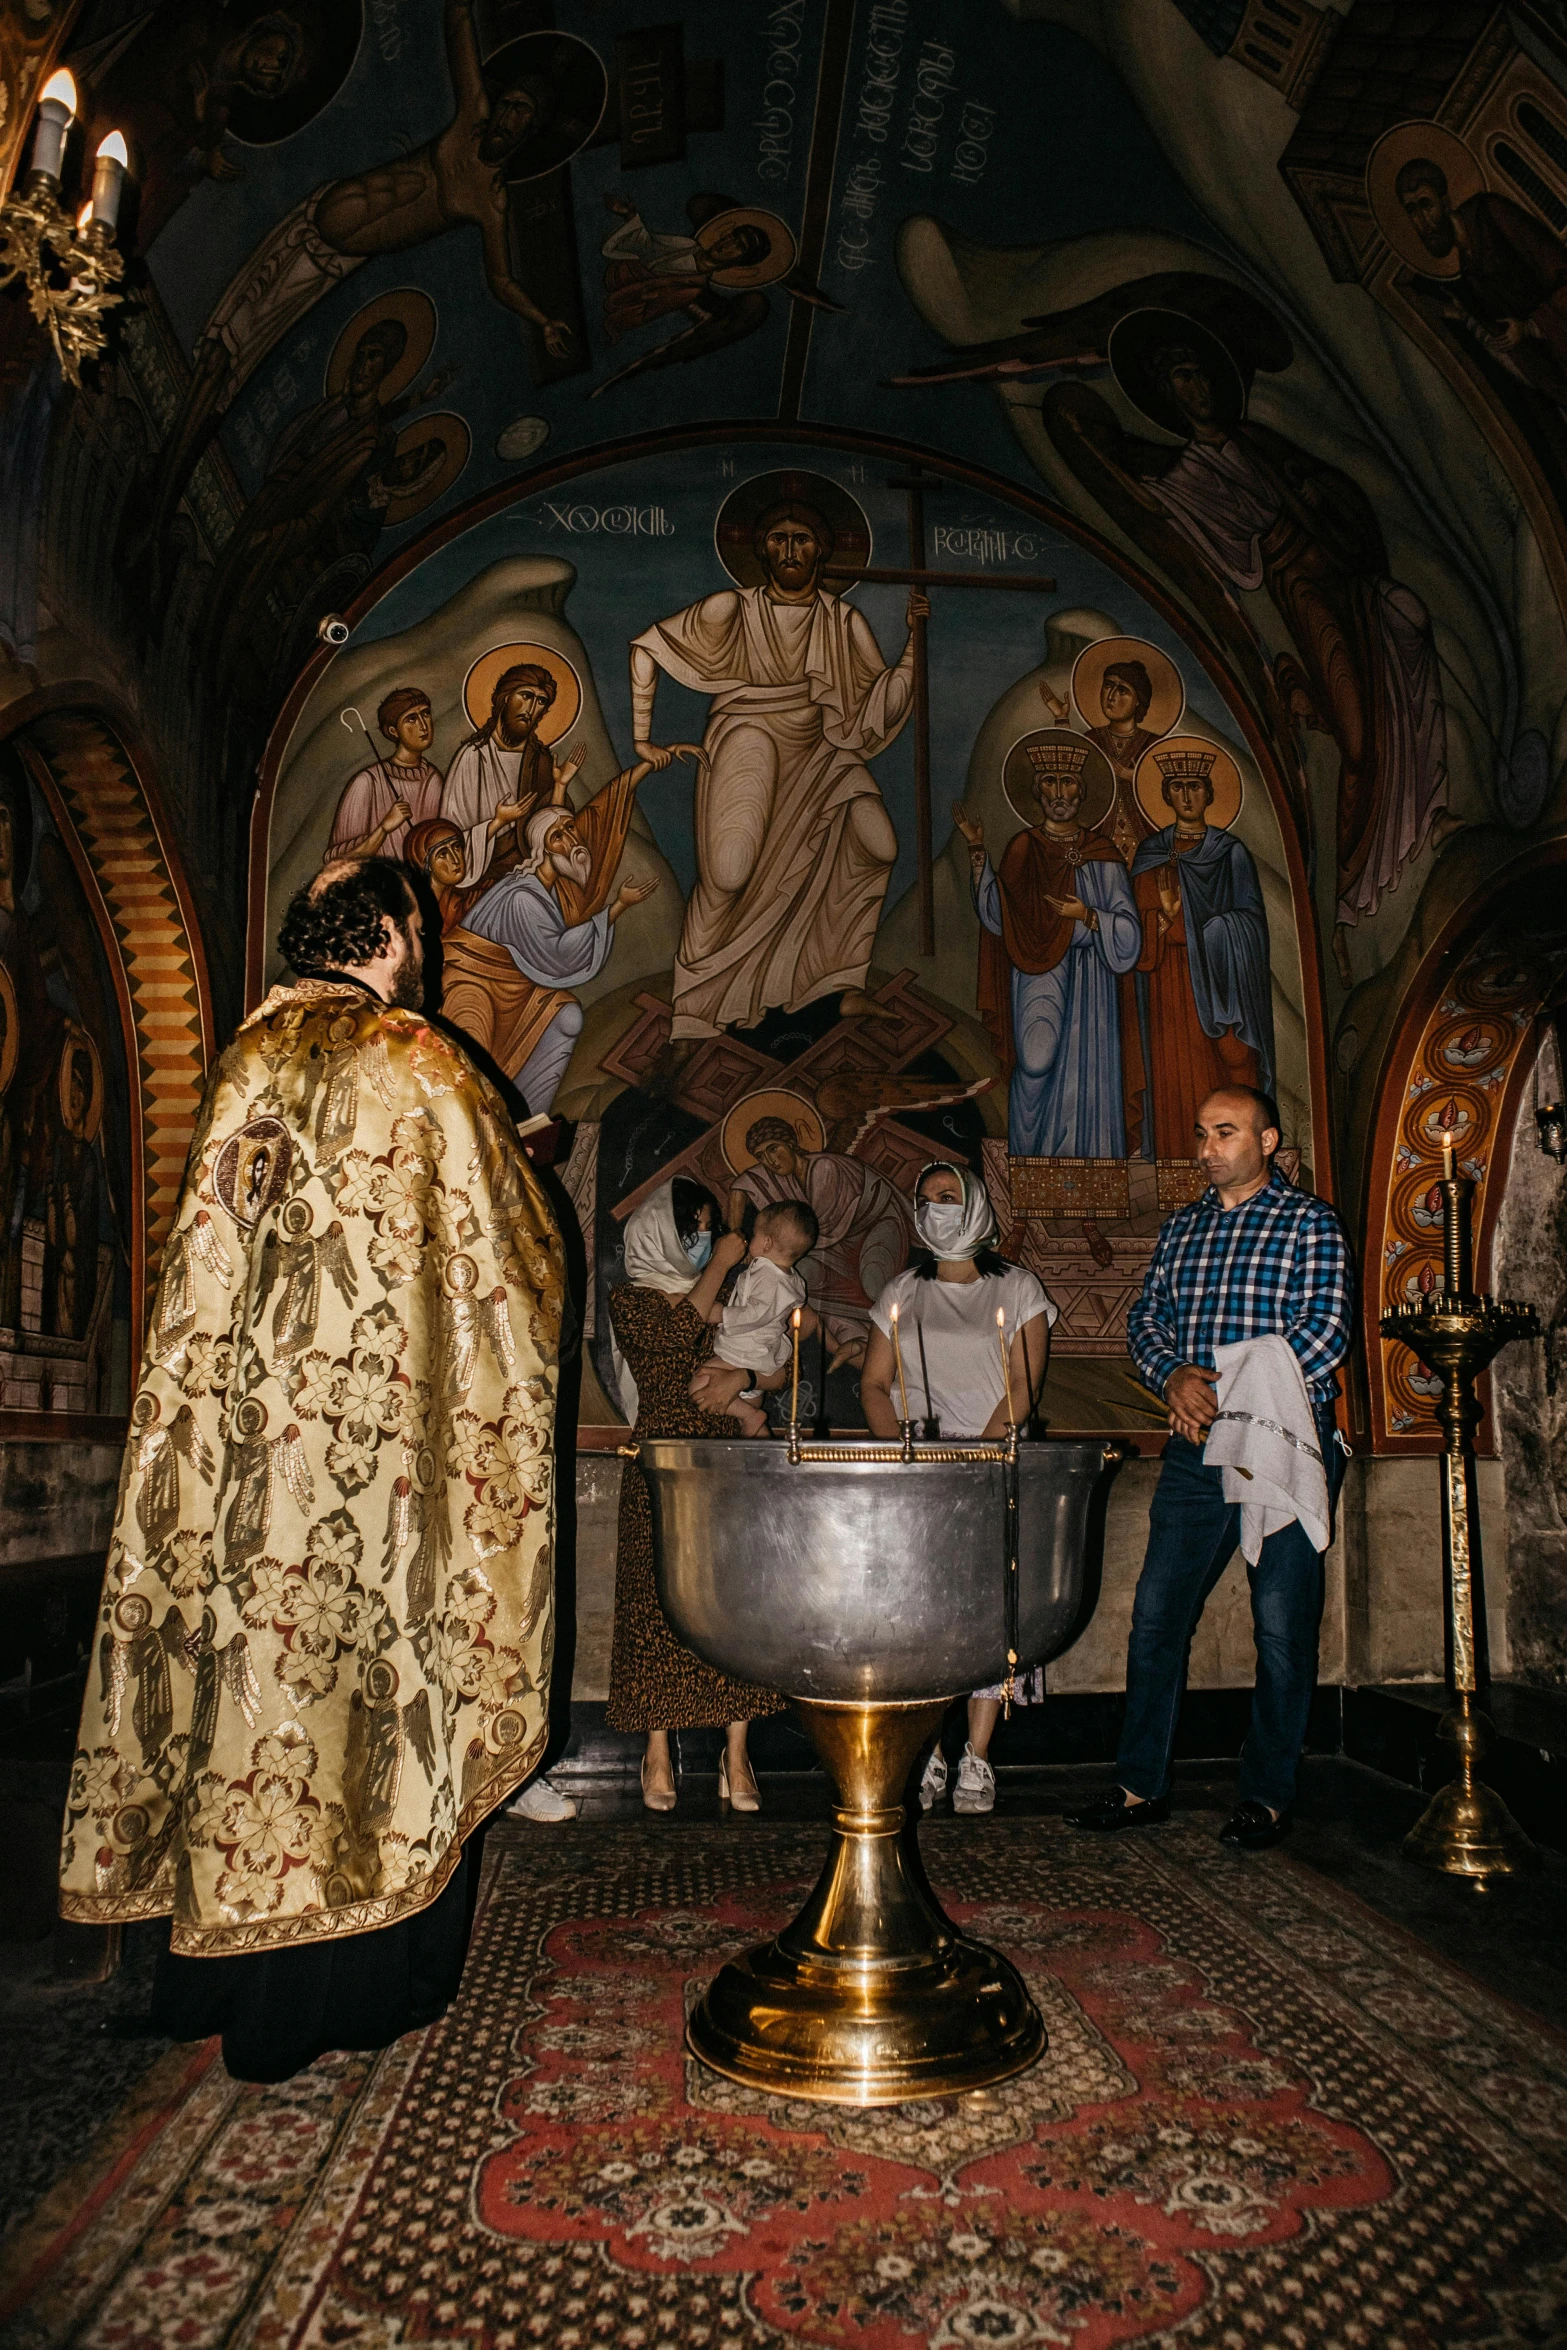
(1265, 1440)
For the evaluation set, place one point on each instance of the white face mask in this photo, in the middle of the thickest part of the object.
(699, 1248)
(939, 1224)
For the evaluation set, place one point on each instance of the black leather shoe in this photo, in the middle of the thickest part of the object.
(1253, 1828)
(1109, 1813)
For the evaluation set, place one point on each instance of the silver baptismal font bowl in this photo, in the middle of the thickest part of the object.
(870, 1584)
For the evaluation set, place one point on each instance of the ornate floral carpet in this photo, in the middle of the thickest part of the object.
(1266, 2118)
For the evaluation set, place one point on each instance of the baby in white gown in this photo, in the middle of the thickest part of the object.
(754, 1336)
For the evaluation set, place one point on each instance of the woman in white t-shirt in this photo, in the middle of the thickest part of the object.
(947, 1302)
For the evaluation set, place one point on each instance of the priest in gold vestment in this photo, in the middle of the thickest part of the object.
(324, 1642)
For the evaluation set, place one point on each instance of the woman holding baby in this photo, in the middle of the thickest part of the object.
(947, 1303)
(676, 1262)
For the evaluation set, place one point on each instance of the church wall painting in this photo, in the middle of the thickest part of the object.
(716, 968)
(360, 332)
(66, 1199)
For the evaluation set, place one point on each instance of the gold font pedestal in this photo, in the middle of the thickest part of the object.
(871, 1995)
(1466, 1830)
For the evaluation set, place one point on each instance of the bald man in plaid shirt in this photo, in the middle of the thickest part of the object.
(1252, 1257)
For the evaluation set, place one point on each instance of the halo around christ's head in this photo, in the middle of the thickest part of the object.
(734, 534)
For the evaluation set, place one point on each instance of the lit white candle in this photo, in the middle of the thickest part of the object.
(897, 1349)
(56, 113)
(1447, 1155)
(794, 1391)
(109, 180)
(1006, 1362)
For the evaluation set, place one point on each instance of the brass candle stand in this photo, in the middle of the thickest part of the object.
(1466, 1829)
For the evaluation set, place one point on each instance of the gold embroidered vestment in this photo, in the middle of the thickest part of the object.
(324, 1643)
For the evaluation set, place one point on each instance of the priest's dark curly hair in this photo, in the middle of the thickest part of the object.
(332, 925)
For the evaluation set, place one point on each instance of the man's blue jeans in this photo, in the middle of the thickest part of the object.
(1192, 1535)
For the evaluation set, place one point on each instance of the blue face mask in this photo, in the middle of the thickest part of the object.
(699, 1248)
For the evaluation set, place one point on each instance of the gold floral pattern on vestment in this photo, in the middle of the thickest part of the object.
(324, 1644)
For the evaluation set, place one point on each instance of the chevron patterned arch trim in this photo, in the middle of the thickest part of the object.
(109, 815)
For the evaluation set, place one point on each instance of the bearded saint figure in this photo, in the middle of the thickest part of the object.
(546, 927)
(502, 773)
(794, 845)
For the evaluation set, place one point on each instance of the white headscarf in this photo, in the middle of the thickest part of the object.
(973, 1226)
(655, 1257)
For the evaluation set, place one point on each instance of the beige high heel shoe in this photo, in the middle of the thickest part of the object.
(659, 1802)
(742, 1799)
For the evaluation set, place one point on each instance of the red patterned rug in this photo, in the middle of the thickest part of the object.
(1265, 2119)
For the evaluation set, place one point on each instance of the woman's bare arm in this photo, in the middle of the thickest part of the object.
(1027, 1356)
(876, 1379)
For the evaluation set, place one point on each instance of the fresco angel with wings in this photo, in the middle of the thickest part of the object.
(714, 273)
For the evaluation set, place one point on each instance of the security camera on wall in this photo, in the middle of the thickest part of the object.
(332, 629)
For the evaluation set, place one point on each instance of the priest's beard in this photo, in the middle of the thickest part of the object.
(408, 979)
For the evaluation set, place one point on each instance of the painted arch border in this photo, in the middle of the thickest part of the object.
(887, 449)
(89, 761)
(1468, 932)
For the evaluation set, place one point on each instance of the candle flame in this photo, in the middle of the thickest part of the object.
(113, 149)
(892, 1313)
(84, 217)
(61, 89)
(795, 1317)
(1001, 1317)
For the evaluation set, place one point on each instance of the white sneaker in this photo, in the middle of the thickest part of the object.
(976, 1787)
(933, 1786)
(540, 1801)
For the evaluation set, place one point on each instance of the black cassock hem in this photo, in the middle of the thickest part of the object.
(278, 2010)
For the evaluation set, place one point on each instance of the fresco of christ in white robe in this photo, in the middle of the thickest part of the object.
(793, 841)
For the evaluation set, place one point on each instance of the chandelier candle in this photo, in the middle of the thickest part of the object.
(109, 181)
(56, 113)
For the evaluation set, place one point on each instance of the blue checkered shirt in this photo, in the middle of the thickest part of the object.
(1276, 1265)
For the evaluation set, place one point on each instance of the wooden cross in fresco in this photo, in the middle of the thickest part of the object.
(915, 573)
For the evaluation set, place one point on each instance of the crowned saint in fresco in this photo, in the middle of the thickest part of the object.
(1204, 989)
(1058, 928)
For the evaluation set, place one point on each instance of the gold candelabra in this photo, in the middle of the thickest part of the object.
(71, 268)
(1466, 1829)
